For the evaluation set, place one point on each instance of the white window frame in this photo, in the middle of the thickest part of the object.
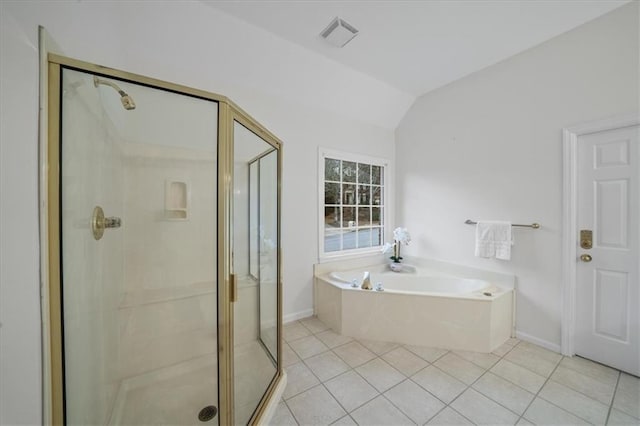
(386, 212)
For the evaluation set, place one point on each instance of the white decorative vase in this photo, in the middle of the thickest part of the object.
(395, 266)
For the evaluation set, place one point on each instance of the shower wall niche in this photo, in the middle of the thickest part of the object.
(148, 320)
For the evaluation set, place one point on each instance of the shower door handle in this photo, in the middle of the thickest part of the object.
(112, 222)
(234, 288)
(99, 223)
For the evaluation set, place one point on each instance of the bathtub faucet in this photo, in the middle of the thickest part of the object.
(366, 282)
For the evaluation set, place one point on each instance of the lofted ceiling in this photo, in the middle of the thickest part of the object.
(417, 46)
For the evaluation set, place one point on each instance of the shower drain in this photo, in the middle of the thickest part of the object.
(207, 413)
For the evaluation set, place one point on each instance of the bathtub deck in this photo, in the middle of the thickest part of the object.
(458, 323)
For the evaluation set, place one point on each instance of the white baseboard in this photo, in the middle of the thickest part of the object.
(537, 341)
(297, 315)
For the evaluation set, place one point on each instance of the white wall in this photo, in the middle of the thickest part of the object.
(306, 100)
(489, 147)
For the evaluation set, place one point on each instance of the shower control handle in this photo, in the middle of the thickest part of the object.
(112, 222)
(99, 222)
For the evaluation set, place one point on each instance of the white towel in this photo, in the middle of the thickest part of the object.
(493, 239)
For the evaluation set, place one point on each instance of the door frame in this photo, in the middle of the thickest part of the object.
(570, 137)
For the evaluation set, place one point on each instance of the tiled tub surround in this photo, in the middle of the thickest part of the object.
(334, 379)
(412, 310)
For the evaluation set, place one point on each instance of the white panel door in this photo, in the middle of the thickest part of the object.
(608, 294)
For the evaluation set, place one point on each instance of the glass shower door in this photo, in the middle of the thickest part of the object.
(256, 268)
(138, 216)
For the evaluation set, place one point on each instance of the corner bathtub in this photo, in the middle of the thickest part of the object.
(417, 308)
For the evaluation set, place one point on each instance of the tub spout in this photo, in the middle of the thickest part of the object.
(366, 282)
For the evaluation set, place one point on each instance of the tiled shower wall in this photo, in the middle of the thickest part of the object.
(168, 311)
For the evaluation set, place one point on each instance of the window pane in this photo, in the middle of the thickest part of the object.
(348, 240)
(353, 204)
(348, 194)
(331, 217)
(376, 195)
(364, 237)
(376, 175)
(364, 173)
(332, 193)
(331, 169)
(364, 216)
(375, 216)
(348, 217)
(376, 237)
(364, 195)
(348, 171)
(332, 240)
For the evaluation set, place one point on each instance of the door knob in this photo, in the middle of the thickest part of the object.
(586, 258)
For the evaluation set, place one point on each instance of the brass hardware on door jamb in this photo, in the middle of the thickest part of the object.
(586, 258)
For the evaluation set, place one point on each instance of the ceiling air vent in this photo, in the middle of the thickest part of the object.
(339, 32)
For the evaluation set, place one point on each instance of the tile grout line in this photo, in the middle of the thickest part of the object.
(402, 381)
(446, 405)
(582, 393)
(429, 363)
(441, 410)
(476, 390)
(338, 375)
(409, 377)
(458, 412)
(613, 398)
(322, 383)
(569, 367)
(295, 419)
(515, 384)
(529, 370)
(470, 386)
(346, 415)
(353, 369)
(540, 390)
(392, 403)
(405, 377)
(370, 384)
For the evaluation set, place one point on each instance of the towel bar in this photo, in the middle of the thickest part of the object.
(533, 225)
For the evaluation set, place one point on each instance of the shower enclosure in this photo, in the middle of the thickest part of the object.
(163, 253)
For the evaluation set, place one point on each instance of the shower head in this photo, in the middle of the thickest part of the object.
(127, 101)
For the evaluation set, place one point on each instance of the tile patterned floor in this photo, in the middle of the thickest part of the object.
(333, 379)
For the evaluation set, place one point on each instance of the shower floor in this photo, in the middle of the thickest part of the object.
(175, 395)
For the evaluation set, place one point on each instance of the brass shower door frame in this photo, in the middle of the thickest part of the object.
(52, 305)
(237, 114)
